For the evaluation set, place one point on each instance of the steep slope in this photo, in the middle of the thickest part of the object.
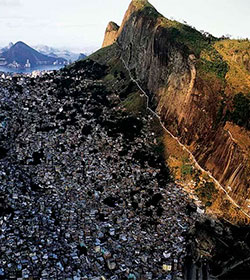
(187, 76)
(20, 53)
(86, 181)
(110, 34)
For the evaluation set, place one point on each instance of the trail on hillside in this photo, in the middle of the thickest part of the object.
(197, 165)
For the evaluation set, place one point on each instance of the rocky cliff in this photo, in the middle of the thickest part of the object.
(191, 80)
(110, 34)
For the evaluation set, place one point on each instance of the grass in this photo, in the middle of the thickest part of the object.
(237, 55)
(108, 56)
(195, 41)
(109, 78)
(186, 169)
(134, 104)
(102, 54)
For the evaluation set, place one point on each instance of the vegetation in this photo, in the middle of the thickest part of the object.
(159, 148)
(239, 114)
(207, 192)
(241, 110)
(139, 4)
(237, 55)
(134, 103)
(193, 42)
(105, 55)
(189, 36)
(217, 66)
(202, 46)
(118, 70)
(99, 53)
(186, 168)
(151, 12)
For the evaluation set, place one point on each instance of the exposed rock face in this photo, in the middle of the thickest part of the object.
(134, 6)
(185, 96)
(110, 34)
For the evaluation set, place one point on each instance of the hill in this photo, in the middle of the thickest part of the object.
(81, 56)
(20, 52)
(198, 85)
(86, 191)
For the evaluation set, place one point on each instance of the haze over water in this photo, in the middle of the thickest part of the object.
(30, 70)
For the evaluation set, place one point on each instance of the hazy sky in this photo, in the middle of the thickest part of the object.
(80, 24)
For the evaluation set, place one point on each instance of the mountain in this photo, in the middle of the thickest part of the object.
(20, 53)
(198, 86)
(110, 34)
(85, 158)
(81, 56)
(6, 48)
(55, 52)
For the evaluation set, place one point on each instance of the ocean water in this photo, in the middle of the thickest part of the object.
(30, 70)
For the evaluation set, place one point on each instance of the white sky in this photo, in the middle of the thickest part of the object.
(80, 24)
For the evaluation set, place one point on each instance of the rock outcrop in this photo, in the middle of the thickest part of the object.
(186, 79)
(110, 34)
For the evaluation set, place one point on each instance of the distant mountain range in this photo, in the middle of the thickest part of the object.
(54, 52)
(20, 55)
(81, 56)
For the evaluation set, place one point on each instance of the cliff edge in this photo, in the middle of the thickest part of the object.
(110, 34)
(191, 79)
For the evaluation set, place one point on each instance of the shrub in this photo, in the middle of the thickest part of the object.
(206, 193)
(241, 112)
(186, 169)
